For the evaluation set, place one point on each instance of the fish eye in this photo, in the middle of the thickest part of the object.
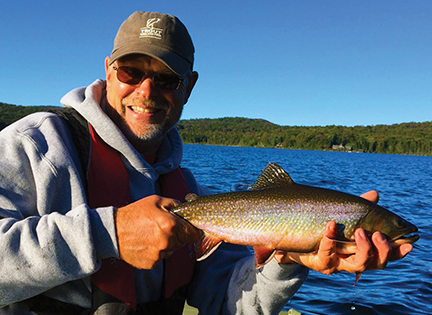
(400, 223)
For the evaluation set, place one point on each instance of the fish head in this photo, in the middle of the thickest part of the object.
(394, 227)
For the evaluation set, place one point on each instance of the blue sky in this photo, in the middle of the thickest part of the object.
(292, 62)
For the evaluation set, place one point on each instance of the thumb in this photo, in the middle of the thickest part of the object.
(331, 230)
(371, 196)
(327, 246)
(186, 233)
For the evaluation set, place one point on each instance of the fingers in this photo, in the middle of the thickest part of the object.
(167, 203)
(179, 230)
(371, 196)
(328, 261)
(369, 255)
(325, 260)
(358, 262)
(400, 252)
(383, 250)
(185, 232)
(327, 246)
(148, 232)
(364, 252)
(331, 230)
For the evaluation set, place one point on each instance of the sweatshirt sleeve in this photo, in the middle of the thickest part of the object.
(48, 236)
(227, 282)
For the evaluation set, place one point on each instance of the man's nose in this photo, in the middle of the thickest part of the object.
(147, 88)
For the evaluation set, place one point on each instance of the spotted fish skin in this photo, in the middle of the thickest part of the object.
(248, 218)
(280, 214)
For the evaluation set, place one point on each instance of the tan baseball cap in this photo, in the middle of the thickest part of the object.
(161, 36)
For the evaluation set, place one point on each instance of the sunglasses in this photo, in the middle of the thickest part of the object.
(134, 76)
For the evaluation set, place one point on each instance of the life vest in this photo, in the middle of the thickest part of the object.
(107, 185)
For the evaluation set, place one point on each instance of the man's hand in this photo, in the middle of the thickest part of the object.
(147, 232)
(370, 254)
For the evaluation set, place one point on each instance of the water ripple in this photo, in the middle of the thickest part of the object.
(404, 185)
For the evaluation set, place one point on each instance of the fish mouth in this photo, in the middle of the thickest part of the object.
(348, 248)
(404, 239)
(406, 234)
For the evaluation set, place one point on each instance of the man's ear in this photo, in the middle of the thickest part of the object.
(192, 79)
(108, 70)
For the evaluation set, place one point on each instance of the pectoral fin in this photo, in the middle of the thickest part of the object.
(206, 246)
(263, 255)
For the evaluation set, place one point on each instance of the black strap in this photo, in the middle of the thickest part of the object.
(80, 132)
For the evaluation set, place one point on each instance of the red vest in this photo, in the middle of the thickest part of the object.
(108, 185)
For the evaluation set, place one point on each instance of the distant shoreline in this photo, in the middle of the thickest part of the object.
(336, 151)
(401, 139)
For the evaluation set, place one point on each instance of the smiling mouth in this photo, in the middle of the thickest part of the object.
(144, 110)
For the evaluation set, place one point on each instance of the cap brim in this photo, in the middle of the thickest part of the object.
(173, 61)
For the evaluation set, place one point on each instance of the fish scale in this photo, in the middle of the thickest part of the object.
(249, 215)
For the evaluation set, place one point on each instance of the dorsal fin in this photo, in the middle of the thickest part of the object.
(272, 176)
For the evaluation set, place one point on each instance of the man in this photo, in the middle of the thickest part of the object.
(94, 235)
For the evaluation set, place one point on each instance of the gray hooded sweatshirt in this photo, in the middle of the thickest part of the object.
(51, 242)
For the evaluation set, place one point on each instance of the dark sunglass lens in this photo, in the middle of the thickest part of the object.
(129, 75)
(133, 76)
(166, 81)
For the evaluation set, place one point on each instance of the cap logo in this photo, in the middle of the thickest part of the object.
(150, 30)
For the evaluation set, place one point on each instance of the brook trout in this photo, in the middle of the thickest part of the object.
(278, 214)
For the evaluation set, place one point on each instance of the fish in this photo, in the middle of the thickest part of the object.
(278, 214)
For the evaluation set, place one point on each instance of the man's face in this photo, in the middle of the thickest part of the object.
(144, 112)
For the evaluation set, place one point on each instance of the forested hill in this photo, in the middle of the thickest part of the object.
(10, 113)
(406, 138)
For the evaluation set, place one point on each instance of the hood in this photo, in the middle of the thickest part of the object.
(87, 100)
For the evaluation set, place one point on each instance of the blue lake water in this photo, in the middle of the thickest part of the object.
(404, 185)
